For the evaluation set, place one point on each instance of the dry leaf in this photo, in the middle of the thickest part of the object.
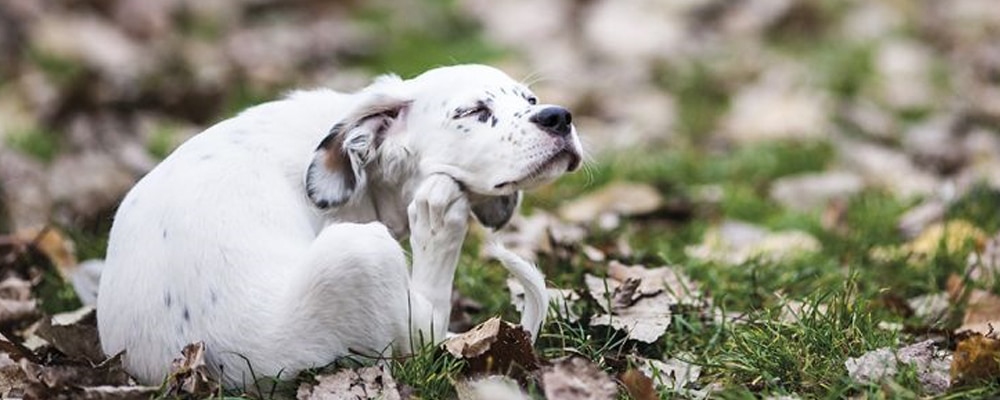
(52, 243)
(74, 334)
(672, 375)
(735, 242)
(645, 320)
(811, 191)
(493, 387)
(951, 237)
(494, 347)
(576, 378)
(539, 233)
(639, 300)
(617, 199)
(930, 308)
(982, 312)
(189, 374)
(47, 380)
(977, 358)
(638, 385)
(363, 383)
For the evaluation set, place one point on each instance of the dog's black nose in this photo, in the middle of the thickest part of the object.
(555, 120)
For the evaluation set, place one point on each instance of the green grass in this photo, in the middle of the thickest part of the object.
(40, 144)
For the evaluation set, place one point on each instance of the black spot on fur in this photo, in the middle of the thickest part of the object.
(493, 121)
(187, 314)
(164, 233)
(168, 300)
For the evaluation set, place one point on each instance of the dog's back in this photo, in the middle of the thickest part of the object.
(208, 230)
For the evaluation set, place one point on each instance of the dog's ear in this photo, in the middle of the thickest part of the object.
(337, 170)
(495, 211)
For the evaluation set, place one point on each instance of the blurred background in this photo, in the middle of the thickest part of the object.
(900, 96)
(780, 152)
(903, 93)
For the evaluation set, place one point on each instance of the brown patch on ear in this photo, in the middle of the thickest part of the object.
(330, 179)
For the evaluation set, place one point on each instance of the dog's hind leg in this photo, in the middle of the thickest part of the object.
(349, 295)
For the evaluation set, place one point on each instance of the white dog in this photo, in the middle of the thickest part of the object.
(272, 237)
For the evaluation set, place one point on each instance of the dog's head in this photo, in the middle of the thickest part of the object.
(470, 122)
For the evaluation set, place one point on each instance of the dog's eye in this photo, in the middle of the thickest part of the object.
(532, 100)
(481, 111)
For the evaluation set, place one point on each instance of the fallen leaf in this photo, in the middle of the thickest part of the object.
(951, 237)
(930, 308)
(673, 375)
(493, 387)
(539, 233)
(654, 281)
(494, 347)
(638, 385)
(69, 376)
(812, 191)
(982, 312)
(576, 378)
(363, 383)
(55, 246)
(976, 359)
(618, 199)
(645, 320)
(639, 301)
(735, 242)
(189, 374)
(74, 334)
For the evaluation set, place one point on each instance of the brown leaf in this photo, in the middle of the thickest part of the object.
(645, 320)
(982, 312)
(54, 245)
(576, 378)
(638, 385)
(494, 347)
(74, 334)
(977, 358)
(189, 374)
(639, 300)
(618, 199)
(46, 378)
(363, 383)
(17, 311)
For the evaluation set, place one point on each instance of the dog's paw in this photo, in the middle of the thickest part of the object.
(440, 210)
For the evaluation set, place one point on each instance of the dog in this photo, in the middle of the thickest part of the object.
(273, 236)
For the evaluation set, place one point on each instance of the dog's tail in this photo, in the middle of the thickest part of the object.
(536, 298)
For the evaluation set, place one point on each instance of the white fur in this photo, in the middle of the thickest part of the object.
(221, 243)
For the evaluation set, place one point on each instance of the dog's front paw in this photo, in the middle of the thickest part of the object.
(439, 213)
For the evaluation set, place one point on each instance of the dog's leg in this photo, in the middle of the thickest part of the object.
(438, 217)
(348, 295)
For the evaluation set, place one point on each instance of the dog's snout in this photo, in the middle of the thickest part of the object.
(555, 120)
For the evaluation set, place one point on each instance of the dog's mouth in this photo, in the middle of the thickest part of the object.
(565, 160)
